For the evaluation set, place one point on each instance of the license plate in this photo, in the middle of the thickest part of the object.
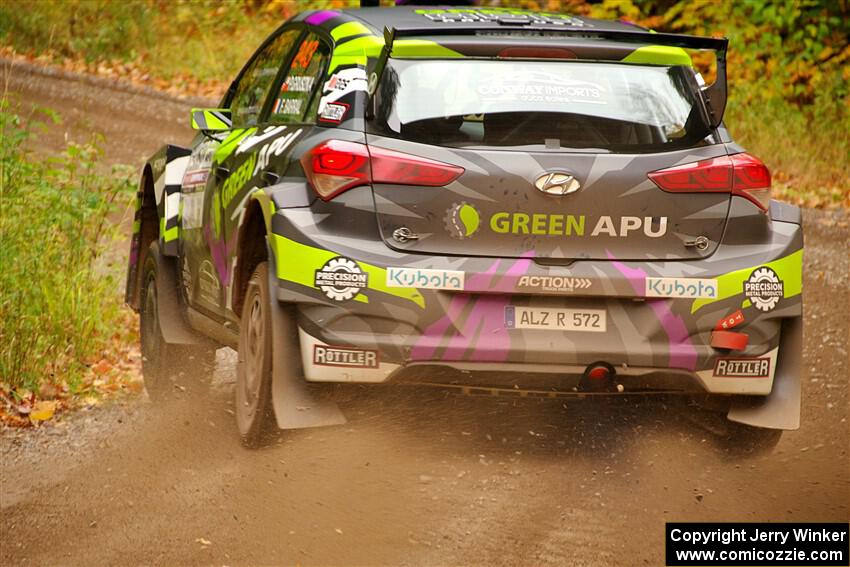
(586, 320)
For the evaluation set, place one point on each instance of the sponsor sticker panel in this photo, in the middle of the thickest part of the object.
(685, 288)
(333, 112)
(425, 278)
(764, 289)
(345, 357)
(730, 321)
(553, 284)
(464, 220)
(341, 279)
(742, 367)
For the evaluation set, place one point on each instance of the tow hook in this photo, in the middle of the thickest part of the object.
(404, 234)
(700, 243)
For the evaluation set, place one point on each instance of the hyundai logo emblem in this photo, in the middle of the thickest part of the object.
(557, 183)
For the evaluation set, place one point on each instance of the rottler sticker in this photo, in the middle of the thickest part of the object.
(742, 367)
(344, 357)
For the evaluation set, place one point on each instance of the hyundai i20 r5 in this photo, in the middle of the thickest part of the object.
(522, 201)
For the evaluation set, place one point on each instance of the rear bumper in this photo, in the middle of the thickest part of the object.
(392, 325)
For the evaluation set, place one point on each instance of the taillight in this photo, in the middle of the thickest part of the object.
(334, 166)
(537, 53)
(393, 167)
(752, 179)
(739, 174)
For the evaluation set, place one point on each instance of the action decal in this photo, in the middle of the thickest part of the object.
(553, 284)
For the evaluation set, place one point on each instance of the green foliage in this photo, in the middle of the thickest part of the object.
(197, 39)
(75, 27)
(58, 300)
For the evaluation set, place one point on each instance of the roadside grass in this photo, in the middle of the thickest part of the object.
(61, 311)
(186, 46)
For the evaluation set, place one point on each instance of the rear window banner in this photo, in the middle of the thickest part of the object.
(611, 106)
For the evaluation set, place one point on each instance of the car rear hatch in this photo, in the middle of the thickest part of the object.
(555, 159)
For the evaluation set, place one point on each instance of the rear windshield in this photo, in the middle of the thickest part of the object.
(540, 104)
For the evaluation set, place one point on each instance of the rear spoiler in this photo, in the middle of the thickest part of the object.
(714, 94)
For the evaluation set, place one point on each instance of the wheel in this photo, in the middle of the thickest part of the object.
(254, 413)
(167, 369)
(741, 439)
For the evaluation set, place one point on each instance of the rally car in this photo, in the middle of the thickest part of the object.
(490, 199)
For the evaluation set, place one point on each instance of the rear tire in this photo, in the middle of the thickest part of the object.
(254, 412)
(167, 369)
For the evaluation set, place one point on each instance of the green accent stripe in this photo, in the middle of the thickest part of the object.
(422, 48)
(297, 263)
(266, 205)
(358, 50)
(230, 143)
(659, 55)
(349, 29)
(788, 268)
(167, 235)
(207, 119)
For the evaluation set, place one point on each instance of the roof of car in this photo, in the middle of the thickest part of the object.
(430, 19)
(427, 18)
(359, 34)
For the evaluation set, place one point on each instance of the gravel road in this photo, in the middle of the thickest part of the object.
(416, 477)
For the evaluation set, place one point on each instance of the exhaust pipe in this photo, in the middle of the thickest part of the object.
(599, 377)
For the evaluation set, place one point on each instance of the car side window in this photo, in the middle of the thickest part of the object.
(253, 87)
(297, 97)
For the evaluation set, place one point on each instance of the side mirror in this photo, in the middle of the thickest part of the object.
(211, 119)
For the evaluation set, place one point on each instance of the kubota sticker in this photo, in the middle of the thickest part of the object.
(690, 288)
(425, 279)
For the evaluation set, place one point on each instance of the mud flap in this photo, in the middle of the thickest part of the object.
(781, 408)
(175, 329)
(295, 406)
